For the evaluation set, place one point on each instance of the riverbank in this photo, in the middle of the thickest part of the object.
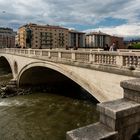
(7, 91)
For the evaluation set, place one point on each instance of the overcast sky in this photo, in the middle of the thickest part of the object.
(118, 17)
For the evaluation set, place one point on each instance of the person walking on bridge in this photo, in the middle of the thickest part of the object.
(113, 47)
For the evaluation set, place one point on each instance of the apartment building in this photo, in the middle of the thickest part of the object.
(7, 38)
(42, 36)
(96, 39)
(76, 39)
(99, 39)
(48, 36)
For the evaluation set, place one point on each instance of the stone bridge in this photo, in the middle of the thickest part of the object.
(99, 73)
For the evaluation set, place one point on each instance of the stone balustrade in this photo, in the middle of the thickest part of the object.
(121, 58)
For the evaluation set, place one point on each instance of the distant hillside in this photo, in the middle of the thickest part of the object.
(137, 38)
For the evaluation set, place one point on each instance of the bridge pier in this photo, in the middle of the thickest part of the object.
(12, 83)
(119, 119)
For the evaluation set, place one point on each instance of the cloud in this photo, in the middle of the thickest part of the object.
(126, 30)
(70, 12)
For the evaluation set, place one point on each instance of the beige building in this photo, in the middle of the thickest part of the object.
(21, 37)
(47, 36)
(99, 39)
(42, 36)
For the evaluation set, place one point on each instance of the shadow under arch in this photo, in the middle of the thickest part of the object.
(6, 65)
(66, 72)
(136, 136)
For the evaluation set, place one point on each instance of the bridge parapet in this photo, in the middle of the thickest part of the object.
(121, 58)
(119, 119)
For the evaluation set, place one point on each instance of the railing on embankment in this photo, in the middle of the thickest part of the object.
(121, 58)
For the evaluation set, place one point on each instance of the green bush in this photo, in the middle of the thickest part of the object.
(135, 46)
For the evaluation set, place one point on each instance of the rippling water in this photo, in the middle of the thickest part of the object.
(43, 116)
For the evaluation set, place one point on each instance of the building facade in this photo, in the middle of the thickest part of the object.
(99, 39)
(42, 36)
(76, 39)
(7, 38)
(47, 36)
(96, 40)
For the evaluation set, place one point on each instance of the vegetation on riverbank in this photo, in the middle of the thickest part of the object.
(134, 46)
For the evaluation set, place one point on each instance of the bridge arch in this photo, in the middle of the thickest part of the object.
(69, 74)
(5, 62)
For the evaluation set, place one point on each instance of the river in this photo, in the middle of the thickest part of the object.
(42, 116)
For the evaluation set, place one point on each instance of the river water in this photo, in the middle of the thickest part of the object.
(42, 116)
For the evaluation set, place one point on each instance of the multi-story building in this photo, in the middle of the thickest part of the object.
(96, 39)
(47, 36)
(7, 38)
(99, 39)
(42, 36)
(76, 39)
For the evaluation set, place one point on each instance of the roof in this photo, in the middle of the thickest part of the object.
(75, 31)
(98, 33)
(3, 28)
(43, 26)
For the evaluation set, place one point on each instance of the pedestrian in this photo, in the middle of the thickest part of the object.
(113, 47)
(106, 47)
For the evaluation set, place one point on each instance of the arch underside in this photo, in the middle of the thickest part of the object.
(56, 74)
(42, 76)
(5, 64)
